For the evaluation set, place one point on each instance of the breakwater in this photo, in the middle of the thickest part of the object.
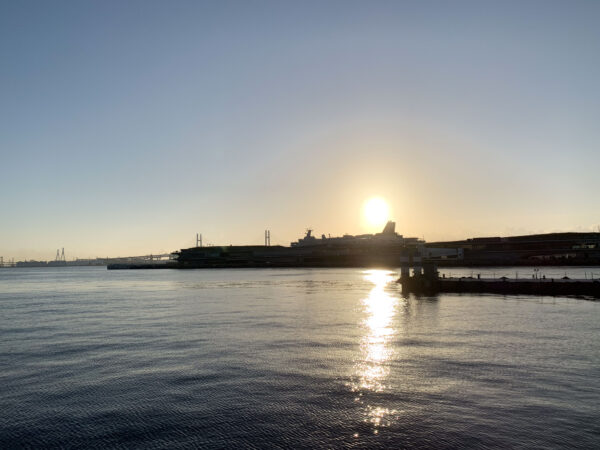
(128, 266)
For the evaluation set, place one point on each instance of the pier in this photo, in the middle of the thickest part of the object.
(426, 280)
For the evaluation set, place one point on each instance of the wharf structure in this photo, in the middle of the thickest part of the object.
(426, 280)
(385, 249)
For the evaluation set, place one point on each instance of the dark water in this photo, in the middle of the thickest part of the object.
(290, 358)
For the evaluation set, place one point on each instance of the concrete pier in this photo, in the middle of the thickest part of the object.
(430, 283)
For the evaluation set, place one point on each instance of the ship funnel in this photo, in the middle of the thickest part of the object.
(390, 228)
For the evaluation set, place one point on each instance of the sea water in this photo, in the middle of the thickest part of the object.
(291, 358)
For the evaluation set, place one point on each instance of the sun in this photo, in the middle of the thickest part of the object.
(376, 211)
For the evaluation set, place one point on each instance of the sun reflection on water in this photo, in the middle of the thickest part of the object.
(380, 309)
(372, 370)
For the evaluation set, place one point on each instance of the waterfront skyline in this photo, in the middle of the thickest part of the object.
(128, 128)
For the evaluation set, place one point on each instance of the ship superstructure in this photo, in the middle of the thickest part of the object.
(385, 249)
(387, 237)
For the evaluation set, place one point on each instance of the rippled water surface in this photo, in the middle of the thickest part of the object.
(290, 358)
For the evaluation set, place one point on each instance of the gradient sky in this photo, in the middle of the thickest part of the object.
(128, 126)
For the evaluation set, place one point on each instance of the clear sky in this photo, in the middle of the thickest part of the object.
(126, 127)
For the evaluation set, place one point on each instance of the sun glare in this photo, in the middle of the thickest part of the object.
(376, 211)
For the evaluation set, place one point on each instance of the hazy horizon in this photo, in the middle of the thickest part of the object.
(127, 128)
